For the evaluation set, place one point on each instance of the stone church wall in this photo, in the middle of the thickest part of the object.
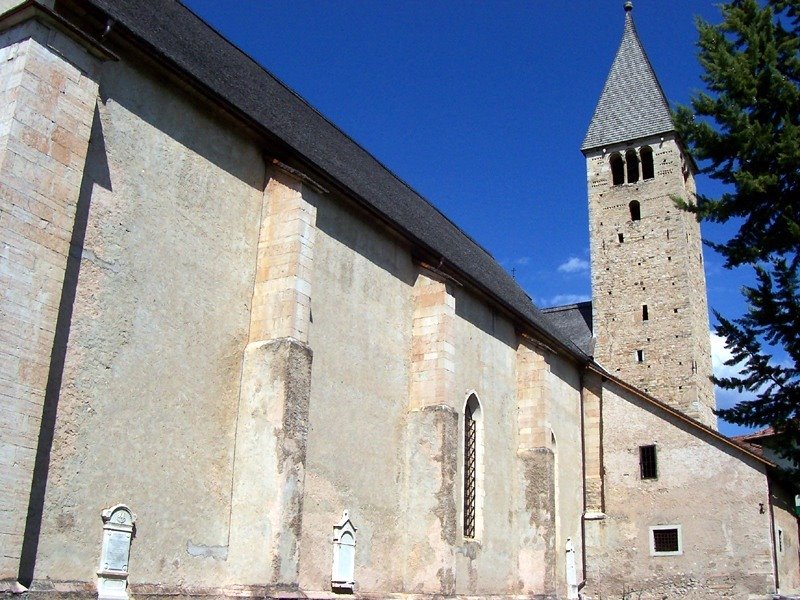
(247, 355)
(361, 315)
(397, 466)
(147, 413)
(718, 498)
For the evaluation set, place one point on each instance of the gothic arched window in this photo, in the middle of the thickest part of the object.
(632, 162)
(636, 211)
(617, 169)
(473, 471)
(646, 154)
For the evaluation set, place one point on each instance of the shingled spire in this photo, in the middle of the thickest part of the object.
(632, 104)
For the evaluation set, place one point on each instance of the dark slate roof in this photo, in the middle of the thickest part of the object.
(632, 104)
(183, 41)
(575, 320)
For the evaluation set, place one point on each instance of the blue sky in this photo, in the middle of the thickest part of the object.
(481, 107)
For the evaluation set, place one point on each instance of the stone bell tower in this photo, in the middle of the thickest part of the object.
(650, 313)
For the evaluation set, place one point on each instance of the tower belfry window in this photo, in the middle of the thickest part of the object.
(632, 162)
(646, 154)
(636, 210)
(617, 169)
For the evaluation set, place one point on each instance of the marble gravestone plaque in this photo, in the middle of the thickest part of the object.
(118, 531)
(117, 551)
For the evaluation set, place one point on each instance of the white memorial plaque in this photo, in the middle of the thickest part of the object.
(344, 554)
(117, 551)
(118, 531)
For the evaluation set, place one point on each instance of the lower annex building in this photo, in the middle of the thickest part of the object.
(241, 358)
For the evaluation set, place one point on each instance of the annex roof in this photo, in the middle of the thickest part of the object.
(632, 104)
(575, 320)
(184, 43)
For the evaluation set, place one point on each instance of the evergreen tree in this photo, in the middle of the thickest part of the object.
(745, 132)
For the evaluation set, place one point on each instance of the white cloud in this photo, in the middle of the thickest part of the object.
(522, 260)
(574, 265)
(562, 299)
(719, 355)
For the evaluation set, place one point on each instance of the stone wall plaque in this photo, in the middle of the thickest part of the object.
(118, 531)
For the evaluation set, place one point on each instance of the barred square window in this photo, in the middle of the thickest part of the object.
(648, 466)
(665, 540)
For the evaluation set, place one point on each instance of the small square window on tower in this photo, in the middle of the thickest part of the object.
(665, 540)
(648, 467)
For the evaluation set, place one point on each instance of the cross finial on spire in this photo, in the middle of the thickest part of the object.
(628, 6)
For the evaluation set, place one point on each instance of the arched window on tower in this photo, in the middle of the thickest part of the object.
(632, 161)
(617, 169)
(473, 472)
(646, 154)
(636, 211)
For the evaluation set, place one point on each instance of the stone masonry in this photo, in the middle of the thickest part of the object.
(648, 288)
(48, 98)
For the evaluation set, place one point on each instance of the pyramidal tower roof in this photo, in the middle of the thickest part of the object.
(632, 104)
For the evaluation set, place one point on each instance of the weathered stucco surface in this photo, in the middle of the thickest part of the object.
(718, 497)
(361, 337)
(148, 404)
(787, 549)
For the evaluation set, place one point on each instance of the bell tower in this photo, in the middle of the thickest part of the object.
(649, 306)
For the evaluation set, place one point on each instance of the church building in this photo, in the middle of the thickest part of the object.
(241, 358)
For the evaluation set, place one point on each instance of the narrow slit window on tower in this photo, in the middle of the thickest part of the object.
(617, 169)
(470, 469)
(632, 162)
(640, 356)
(645, 313)
(636, 210)
(646, 154)
(648, 467)
(621, 237)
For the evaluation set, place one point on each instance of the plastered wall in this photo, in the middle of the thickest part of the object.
(787, 544)
(360, 327)
(147, 408)
(718, 497)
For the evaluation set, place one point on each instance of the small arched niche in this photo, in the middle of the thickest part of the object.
(632, 162)
(636, 210)
(646, 155)
(617, 169)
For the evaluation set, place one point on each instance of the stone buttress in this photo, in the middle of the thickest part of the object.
(49, 84)
(272, 426)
